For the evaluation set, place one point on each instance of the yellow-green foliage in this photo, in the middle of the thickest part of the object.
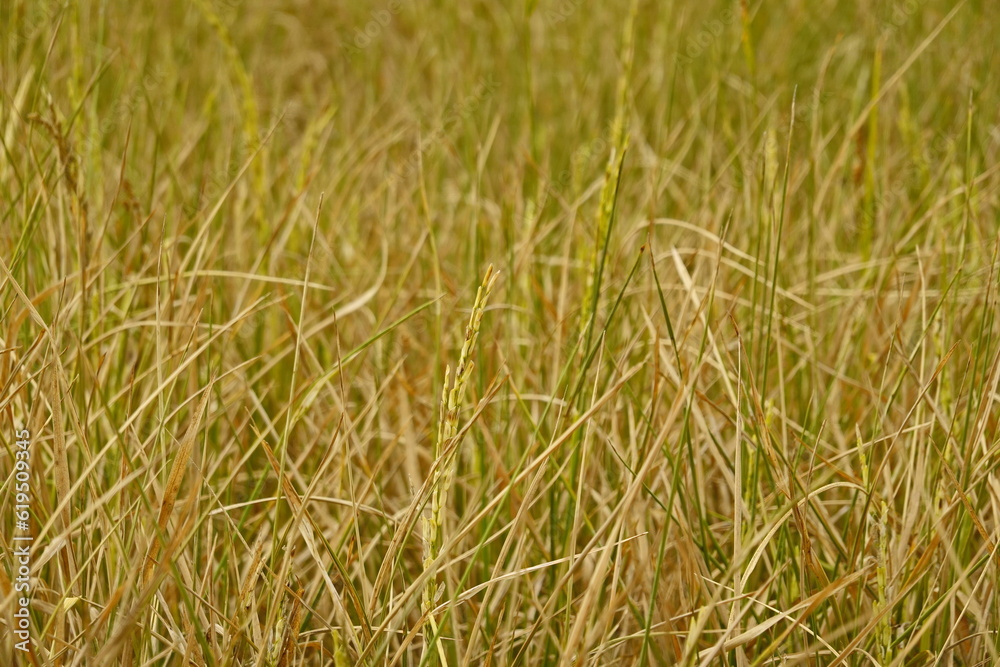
(735, 401)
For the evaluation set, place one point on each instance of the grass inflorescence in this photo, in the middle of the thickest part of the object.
(446, 448)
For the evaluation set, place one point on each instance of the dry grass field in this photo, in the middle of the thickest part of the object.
(536, 333)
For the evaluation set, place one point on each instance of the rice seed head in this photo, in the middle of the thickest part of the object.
(452, 398)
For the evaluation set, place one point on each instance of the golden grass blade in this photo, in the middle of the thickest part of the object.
(178, 470)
